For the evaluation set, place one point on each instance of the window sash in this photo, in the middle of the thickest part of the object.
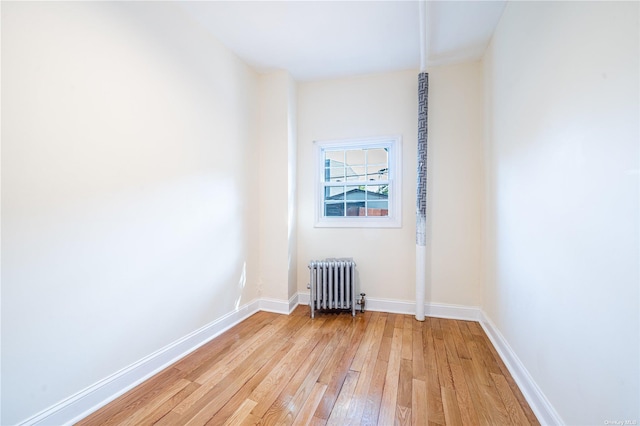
(392, 217)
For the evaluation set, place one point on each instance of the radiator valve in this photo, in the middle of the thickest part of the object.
(361, 302)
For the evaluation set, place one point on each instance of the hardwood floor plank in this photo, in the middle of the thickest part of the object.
(458, 340)
(165, 408)
(217, 397)
(444, 369)
(241, 395)
(451, 410)
(285, 408)
(241, 413)
(356, 408)
(131, 401)
(399, 321)
(407, 337)
(434, 399)
(467, 410)
(512, 384)
(418, 359)
(376, 368)
(516, 415)
(239, 354)
(316, 421)
(490, 363)
(498, 412)
(367, 342)
(405, 382)
(481, 372)
(208, 353)
(309, 381)
(390, 391)
(436, 327)
(374, 396)
(419, 414)
(169, 419)
(206, 406)
(449, 343)
(341, 407)
(342, 368)
(155, 403)
(403, 416)
(480, 404)
(269, 389)
(231, 366)
(310, 405)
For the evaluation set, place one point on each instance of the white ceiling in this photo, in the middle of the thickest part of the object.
(325, 39)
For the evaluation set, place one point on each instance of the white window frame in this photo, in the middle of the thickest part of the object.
(394, 219)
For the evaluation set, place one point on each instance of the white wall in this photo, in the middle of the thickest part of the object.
(455, 186)
(129, 186)
(277, 172)
(292, 187)
(562, 132)
(386, 104)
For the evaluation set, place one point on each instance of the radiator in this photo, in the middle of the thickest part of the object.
(333, 286)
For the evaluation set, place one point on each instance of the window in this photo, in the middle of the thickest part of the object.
(358, 183)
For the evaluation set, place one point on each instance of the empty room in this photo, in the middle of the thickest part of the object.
(320, 212)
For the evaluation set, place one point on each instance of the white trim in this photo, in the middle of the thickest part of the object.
(278, 306)
(394, 220)
(538, 402)
(293, 303)
(438, 310)
(87, 401)
(458, 312)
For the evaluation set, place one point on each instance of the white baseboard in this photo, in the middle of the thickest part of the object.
(279, 306)
(438, 310)
(101, 393)
(538, 402)
(293, 302)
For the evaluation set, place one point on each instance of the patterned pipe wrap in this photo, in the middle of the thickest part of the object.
(421, 193)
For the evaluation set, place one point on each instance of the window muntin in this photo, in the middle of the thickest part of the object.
(358, 184)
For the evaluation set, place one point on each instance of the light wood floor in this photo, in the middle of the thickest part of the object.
(376, 368)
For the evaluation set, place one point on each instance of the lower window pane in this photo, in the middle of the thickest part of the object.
(334, 209)
(355, 209)
(378, 208)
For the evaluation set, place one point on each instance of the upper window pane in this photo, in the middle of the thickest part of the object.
(335, 156)
(356, 157)
(377, 156)
(334, 174)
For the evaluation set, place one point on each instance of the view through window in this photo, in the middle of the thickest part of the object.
(356, 182)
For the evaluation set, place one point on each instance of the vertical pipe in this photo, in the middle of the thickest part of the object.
(421, 192)
(421, 196)
(422, 16)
